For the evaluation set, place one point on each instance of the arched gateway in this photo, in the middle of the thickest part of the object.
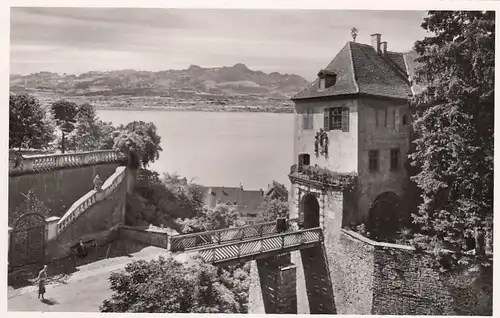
(309, 211)
(385, 216)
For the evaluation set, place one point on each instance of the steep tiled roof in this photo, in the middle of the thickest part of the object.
(411, 65)
(361, 70)
(279, 188)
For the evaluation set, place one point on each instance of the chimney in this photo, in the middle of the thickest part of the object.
(383, 47)
(376, 42)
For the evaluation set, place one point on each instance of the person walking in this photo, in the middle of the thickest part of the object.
(42, 277)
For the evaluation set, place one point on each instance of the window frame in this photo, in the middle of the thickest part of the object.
(395, 155)
(322, 83)
(405, 120)
(376, 157)
(308, 119)
(301, 162)
(341, 118)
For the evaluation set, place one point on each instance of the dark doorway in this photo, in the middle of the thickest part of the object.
(385, 217)
(309, 211)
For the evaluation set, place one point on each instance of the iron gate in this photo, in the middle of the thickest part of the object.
(27, 240)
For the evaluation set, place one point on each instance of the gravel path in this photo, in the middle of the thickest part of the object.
(82, 291)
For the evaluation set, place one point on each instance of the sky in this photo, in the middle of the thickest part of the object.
(78, 40)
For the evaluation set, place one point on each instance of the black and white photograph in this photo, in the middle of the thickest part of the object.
(251, 160)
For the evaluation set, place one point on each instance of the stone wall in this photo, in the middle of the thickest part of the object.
(59, 249)
(272, 287)
(58, 189)
(387, 279)
(149, 236)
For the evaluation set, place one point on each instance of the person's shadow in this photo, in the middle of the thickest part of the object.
(49, 302)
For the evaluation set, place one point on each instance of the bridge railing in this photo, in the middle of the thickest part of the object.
(187, 241)
(40, 163)
(248, 248)
(89, 199)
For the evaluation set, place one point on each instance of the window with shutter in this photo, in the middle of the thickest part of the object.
(326, 124)
(345, 119)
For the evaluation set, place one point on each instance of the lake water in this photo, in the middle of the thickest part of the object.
(219, 149)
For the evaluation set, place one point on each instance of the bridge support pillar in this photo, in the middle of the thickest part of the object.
(277, 277)
(317, 281)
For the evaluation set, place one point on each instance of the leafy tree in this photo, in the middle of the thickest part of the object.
(222, 216)
(188, 195)
(163, 200)
(168, 286)
(65, 115)
(107, 136)
(86, 135)
(453, 125)
(273, 209)
(29, 125)
(140, 142)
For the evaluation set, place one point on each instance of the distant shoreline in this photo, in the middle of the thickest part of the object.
(208, 110)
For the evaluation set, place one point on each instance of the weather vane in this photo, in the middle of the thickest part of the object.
(354, 33)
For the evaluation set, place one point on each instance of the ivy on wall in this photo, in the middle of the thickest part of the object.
(346, 181)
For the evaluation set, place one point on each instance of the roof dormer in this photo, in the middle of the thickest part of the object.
(326, 79)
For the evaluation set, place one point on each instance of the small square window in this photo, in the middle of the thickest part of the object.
(395, 154)
(373, 160)
(304, 159)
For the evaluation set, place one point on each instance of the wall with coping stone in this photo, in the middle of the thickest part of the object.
(399, 281)
(59, 249)
(58, 189)
(149, 236)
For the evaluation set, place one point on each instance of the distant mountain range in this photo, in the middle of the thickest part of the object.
(227, 81)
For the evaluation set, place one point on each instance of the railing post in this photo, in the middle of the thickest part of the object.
(51, 227)
(219, 237)
(282, 241)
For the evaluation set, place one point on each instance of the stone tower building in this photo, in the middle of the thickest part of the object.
(352, 129)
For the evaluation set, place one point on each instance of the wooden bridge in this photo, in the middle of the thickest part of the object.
(246, 243)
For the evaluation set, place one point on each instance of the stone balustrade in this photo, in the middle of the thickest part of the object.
(90, 198)
(41, 163)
